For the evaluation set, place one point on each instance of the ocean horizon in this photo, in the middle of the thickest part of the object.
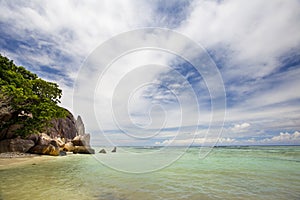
(230, 172)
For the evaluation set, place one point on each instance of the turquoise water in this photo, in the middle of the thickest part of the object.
(257, 172)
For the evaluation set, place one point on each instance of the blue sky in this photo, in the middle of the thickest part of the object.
(254, 44)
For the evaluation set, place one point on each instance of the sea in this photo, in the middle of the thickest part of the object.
(134, 173)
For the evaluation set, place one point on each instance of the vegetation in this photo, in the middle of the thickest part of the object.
(31, 101)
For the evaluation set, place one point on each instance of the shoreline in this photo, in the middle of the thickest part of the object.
(16, 159)
(16, 155)
(10, 160)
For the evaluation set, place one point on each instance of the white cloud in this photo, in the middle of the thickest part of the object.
(239, 127)
(249, 37)
(227, 140)
(165, 142)
(284, 138)
(72, 28)
(251, 31)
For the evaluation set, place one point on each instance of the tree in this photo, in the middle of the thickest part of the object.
(33, 101)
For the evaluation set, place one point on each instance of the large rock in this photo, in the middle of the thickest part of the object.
(3, 133)
(44, 139)
(102, 151)
(79, 126)
(33, 137)
(5, 116)
(82, 140)
(9, 132)
(54, 143)
(63, 127)
(66, 128)
(114, 150)
(15, 145)
(45, 150)
(83, 150)
(6, 113)
(62, 153)
(60, 141)
(69, 147)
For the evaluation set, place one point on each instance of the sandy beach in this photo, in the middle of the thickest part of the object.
(9, 160)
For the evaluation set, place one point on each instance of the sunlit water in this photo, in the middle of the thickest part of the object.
(227, 173)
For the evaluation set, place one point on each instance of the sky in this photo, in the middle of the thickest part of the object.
(245, 93)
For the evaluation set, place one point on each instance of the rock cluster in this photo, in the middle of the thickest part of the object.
(64, 135)
(104, 151)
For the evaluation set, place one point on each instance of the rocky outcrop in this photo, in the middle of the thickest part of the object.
(9, 132)
(46, 145)
(82, 140)
(114, 150)
(49, 149)
(69, 147)
(15, 145)
(83, 150)
(102, 151)
(82, 144)
(33, 137)
(60, 141)
(63, 135)
(79, 126)
(6, 113)
(44, 139)
(63, 127)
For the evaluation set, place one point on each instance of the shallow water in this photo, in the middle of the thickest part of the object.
(227, 173)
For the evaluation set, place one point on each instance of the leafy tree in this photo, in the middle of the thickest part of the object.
(33, 101)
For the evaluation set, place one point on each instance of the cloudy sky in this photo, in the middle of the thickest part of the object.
(155, 97)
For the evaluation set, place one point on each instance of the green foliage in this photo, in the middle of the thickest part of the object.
(33, 100)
